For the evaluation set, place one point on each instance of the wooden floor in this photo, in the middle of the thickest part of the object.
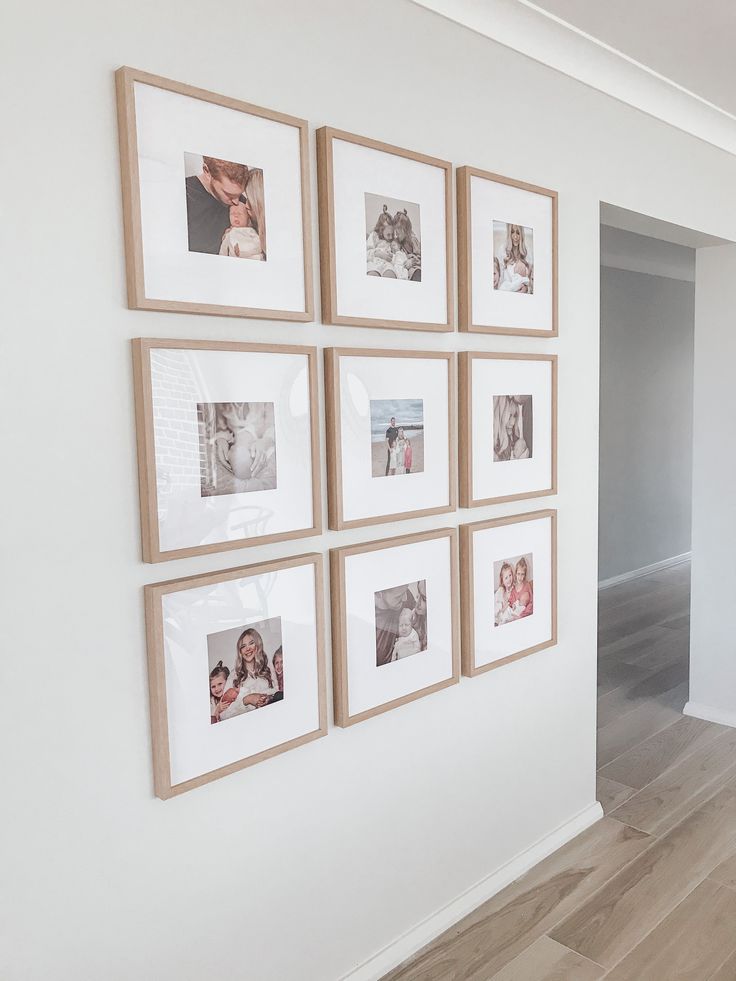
(649, 892)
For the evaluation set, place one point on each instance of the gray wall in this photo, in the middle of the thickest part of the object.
(647, 325)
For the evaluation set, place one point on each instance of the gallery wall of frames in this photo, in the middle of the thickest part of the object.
(228, 432)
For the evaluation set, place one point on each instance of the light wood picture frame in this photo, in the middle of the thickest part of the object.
(168, 719)
(441, 585)
(469, 428)
(389, 308)
(151, 282)
(487, 317)
(158, 544)
(351, 482)
(468, 614)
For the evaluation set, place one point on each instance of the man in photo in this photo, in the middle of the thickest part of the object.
(392, 434)
(210, 196)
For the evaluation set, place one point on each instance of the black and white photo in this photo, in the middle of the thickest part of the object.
(513, 427)
(393, 238)
(237, 442)
(401, 621)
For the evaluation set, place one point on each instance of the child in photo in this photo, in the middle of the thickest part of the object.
(241, 239)
(220, 699)
(503, 607)
(407, 455)
(522, 595)
(401, 452)
(407, 642)
(379, 247)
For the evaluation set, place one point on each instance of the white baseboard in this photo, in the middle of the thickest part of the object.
(413, 940)
(710, 714)
(645, 570)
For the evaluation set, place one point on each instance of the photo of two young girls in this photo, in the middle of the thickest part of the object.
(514, 589)
(246, 669)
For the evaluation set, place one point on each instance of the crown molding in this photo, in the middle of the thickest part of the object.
(524, 27)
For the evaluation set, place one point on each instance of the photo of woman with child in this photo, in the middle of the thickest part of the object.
(243, 676)
(512, 427)
(514, 596)
(401, 622)
(513, 258)
(237, 443)
(393, 238)
(226, 210)
(397, 437)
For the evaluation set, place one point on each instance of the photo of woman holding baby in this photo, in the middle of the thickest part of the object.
(393, 242)
(226, 210)
(401, 622)
(237, 442)
(513, 258)
(514, 595)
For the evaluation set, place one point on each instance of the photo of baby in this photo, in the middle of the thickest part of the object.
(513, 428)
(237, 447)
(246, 669)
(513, 598)
(397, 437)
(401, 622)
(226, 209)
(513, 258)
(393, 238)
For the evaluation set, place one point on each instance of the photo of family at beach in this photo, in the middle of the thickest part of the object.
(514, 589)
(226, 208)
(237, 447)
(513, 258)
(513, 418)
(246, 669)
(401, 622)
(397, 437)
(393, 238)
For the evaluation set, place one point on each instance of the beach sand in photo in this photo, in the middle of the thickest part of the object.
(379, 456)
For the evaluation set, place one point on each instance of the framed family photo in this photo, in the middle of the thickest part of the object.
(508, 427)
(391, 435)
(385, 222)
(215, 202)
(228, 445)
(236, 669)
(394, 622)
(507, 255)
(509, 589)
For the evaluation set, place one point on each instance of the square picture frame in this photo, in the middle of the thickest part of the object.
(216, 473)
(385, 230)
(232, 626)
(176, 197)
(507, 255)
(394, 622)
(508, 443)
(508, 593)
(364, 390)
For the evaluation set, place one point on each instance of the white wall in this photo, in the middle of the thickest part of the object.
(302, 867)
(712, 639)
(647, 326)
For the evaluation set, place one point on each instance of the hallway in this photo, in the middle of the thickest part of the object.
(649, 892)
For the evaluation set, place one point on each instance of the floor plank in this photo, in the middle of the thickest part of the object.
(726, 875)
(689, 944)
(625, 732)
(645, 761)
(610, 794)
(615, 673)
(664, 802)
(631, 904)
(546, 960)
(627, 697)
(489, 938)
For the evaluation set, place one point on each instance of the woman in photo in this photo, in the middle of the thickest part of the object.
(509, 442)
(517, 275)
(503, 612)
(252, 677)
(522, 595)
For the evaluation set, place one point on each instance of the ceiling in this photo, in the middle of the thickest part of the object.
(690, 43)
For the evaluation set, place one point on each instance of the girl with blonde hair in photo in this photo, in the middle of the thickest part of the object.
(502, 597)
(508, 441)
(517, 271)
(522, 595)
